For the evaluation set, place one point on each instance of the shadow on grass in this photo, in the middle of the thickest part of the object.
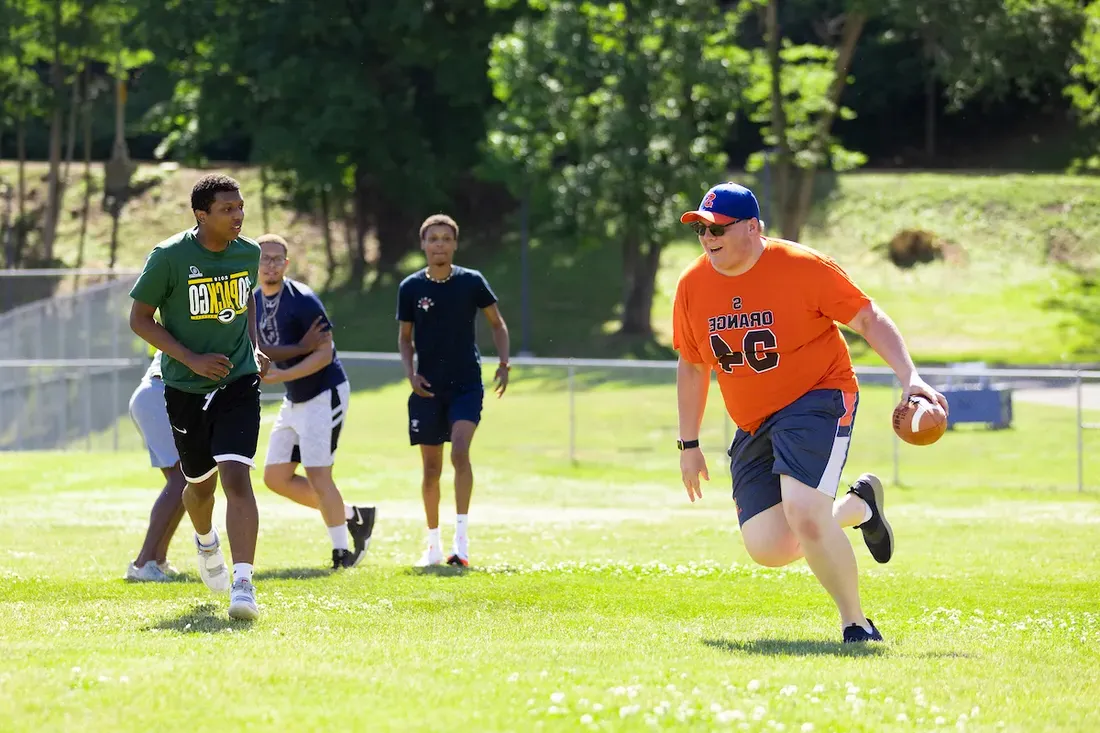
(293, 573)
(442, 571)
(205, 618)
(795, 647)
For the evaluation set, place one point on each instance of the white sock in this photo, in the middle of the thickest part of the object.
(349, 513)
(339, 535)
(433, 537)
(242, 571)
(868, 514)
(460, 528)
(208, 539)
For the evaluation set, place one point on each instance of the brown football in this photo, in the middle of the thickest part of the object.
(919, 422)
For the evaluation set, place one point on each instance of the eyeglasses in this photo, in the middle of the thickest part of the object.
(277, 260)
(716, 229)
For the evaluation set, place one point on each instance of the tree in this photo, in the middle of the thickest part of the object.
(614, 116)
(795, 95)
(989, 48)
(381, 107)
(1084, 91)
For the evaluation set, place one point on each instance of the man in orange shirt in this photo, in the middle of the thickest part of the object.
(763, 313)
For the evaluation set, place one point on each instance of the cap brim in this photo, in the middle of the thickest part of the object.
(708, 216)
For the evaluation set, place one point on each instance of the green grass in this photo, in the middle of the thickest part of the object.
(1017, 291)
(600, 598)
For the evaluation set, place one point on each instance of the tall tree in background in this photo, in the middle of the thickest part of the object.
(987, 48)
(1084, 91)
(382, 106)
(795, 95)
(615, 116)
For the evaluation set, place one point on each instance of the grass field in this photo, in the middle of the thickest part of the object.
(600, 599)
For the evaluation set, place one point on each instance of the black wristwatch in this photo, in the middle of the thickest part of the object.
(685, 444)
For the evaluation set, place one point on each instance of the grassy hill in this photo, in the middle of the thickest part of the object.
(1014, 288)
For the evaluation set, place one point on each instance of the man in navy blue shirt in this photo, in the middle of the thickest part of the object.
(296, 335)
(437, 311)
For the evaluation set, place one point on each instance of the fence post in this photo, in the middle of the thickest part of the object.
(86, 377)
(897, 457)
(114, 386)
(1080, 437)
(572, 415)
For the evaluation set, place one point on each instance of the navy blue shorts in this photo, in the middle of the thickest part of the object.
(430, 418)
(806, 440)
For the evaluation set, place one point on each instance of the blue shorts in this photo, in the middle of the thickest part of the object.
(431, 418)
(806, 440)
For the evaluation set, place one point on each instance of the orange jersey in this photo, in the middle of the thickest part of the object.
(771, 332)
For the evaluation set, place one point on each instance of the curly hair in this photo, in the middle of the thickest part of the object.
(207, 189)
(435, 219)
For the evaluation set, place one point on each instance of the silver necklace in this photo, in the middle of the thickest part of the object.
(428, 275)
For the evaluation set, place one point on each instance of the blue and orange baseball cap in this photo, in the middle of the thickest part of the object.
(724, 204)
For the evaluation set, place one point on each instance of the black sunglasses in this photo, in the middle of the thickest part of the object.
(716, 229)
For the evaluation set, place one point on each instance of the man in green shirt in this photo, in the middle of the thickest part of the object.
(201, 280)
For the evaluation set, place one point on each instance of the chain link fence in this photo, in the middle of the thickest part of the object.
(68, 365)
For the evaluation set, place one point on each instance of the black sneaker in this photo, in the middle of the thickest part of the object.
(855, 633)
(876, 531)
(343, 559)
(360, 526)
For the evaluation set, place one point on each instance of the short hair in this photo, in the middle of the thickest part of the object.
(437, 219)
(273, 239)
(208, 187)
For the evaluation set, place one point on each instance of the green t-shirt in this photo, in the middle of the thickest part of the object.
(203, 298)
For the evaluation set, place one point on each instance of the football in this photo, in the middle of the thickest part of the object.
(919, 422)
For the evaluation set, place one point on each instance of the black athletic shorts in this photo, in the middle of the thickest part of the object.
(223, 425)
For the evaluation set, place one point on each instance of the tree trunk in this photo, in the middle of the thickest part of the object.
(53, 195)
(21, 224)
(781, 162)
(853, 27)
(87, 124)
(70, 143)
(929, 97)
(642, 279)
(116, 211)
(360, 208)
(326, 229)
(263, 197)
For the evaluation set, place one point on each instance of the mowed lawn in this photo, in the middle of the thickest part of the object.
(600, 598)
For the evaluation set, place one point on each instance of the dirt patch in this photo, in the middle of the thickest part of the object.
(911, 247)
(1065, 247)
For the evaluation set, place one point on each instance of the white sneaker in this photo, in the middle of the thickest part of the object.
(168, 568)
(212, 567)
(242, 601)
(148, 573)
(432, 556)
(460, 553)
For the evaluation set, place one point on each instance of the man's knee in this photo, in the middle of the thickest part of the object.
(278, 475)
(807, 509)
(235, 478)
(319, 476)
(769, 540)
(433, 465)
(201, 489)
(773, 551)
(460, 454)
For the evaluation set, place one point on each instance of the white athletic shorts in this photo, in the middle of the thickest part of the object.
(307, 432)
(151, 418)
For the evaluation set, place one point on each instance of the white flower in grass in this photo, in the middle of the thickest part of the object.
(807, 727)
(557, 698)
(586, 719)
(753, 685)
